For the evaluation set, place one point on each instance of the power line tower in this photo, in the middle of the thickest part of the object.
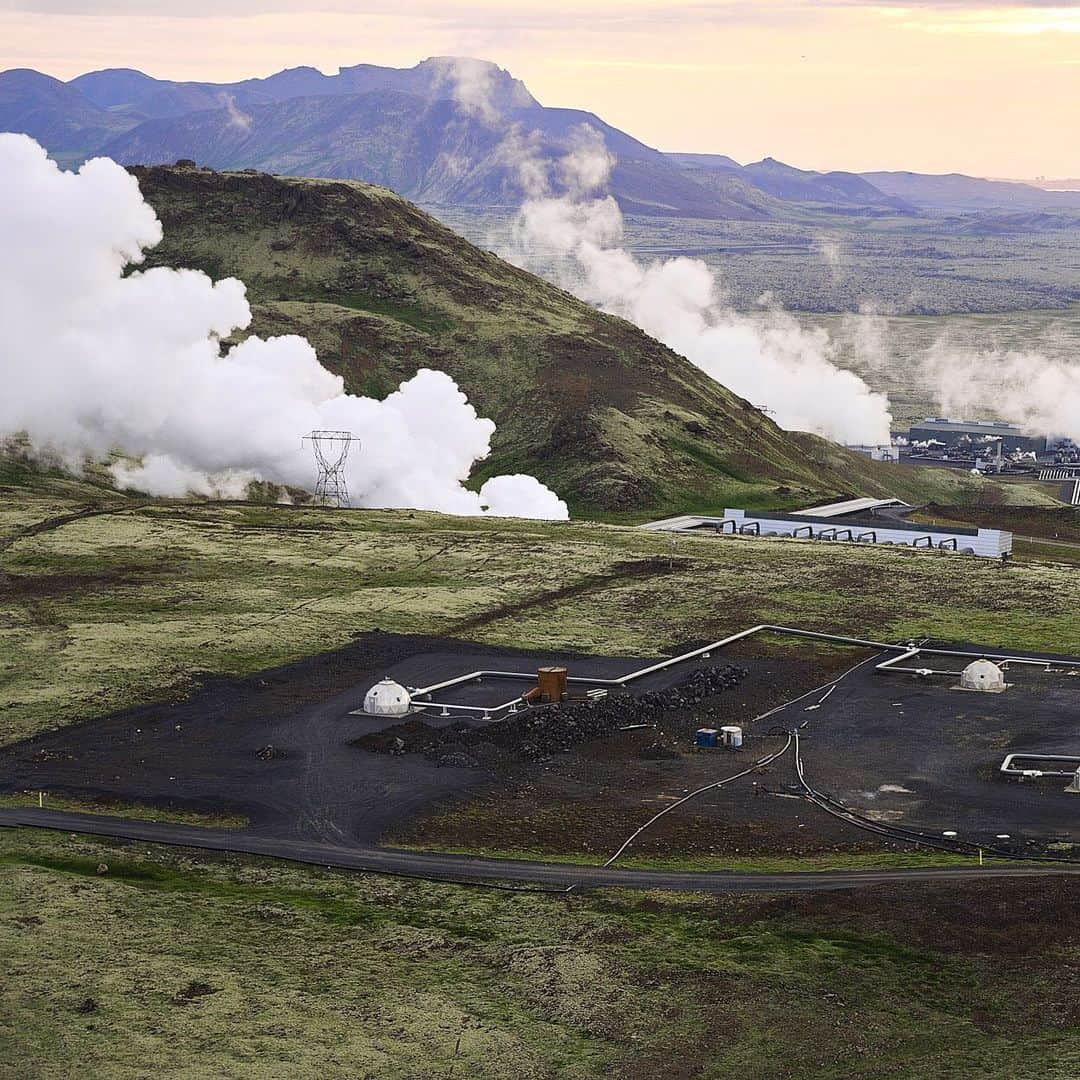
(331, 449)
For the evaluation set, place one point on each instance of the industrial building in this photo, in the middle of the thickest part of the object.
(834, 523)
(1070, 477)
(973, 434)
(877, 451)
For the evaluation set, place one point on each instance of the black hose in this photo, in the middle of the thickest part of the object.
(837, 809)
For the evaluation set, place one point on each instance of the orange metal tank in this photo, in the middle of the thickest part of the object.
(552, 683)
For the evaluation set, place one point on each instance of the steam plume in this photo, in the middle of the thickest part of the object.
(94, 361)
(576, 238)
(1026, 388)
(472, 84)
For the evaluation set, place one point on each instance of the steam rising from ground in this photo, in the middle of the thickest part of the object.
(94, 361)
(471, 82)
(774, 363)
(1027, 388)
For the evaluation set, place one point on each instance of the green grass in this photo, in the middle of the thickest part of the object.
(124, 608)
(414, 315)
(122, 809)
(123, 961)
(749, 864)
(120, 957)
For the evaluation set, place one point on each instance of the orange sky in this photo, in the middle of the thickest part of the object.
(931, 85)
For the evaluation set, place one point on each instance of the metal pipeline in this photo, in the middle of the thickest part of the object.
(907, 651)
(528, 676)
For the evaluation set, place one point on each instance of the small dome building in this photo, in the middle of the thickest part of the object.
(982, 675)
(387, 698)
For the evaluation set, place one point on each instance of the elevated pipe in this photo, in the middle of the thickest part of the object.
(906, 651)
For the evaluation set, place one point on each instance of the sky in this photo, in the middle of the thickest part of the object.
(977, 86)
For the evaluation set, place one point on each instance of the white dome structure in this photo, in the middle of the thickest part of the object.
(387, 698)
(982, 675)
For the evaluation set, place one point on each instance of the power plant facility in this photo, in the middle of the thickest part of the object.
(853, 522)
(974, 435)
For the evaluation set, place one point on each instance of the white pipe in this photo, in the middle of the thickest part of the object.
(908, 652)
(470, 708)
(1007, 765)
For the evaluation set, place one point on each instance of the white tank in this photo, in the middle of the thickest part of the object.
(982, 675)
(731, 736)
(387, 698)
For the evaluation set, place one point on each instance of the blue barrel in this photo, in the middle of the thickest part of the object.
(705, 736)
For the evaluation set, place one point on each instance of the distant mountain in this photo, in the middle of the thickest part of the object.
(435, 152)
(706, 162)
(957, 193)
(452, 131)
(57, 115)
(1069, 183)
(833, 192)
(449, 131)
(439, 77)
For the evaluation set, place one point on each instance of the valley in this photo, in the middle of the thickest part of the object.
(350, 722)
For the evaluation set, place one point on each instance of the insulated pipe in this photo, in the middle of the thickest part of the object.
(485, 674)
(472, 708)
(763, 627)
(1007, 765)
(907, 652)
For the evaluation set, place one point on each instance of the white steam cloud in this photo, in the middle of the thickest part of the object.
(95, 361)
(237, 117)
(1027, 388)
(774, 363)
(472, 83)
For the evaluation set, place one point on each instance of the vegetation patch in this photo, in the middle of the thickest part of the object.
(255, 965)
(109, 807)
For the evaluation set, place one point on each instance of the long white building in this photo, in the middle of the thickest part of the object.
(987, 543)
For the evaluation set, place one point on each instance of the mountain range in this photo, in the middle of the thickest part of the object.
(449, 131)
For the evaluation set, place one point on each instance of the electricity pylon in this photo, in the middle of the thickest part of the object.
(331, 449)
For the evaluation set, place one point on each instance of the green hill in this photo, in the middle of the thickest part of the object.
(614, 421)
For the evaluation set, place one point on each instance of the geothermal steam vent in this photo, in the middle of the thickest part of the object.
(982, 675)
(387, 698)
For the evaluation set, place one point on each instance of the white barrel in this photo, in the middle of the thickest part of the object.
(731, 736)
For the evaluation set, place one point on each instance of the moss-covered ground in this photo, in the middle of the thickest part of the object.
(117, 608)
(130, 961)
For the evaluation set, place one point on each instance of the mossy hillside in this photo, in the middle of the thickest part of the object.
(106, 611)
(119, 957)
(613, 420)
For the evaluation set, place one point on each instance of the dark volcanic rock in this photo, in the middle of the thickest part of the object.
(540, 732)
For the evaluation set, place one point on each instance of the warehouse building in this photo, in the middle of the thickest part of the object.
(974, 434)
(856, 529)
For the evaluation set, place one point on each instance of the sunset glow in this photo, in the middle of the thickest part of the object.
(932, 86)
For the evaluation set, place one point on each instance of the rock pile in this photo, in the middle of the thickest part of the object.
(540, 732)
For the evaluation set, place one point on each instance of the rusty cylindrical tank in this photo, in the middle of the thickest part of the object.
(552, 683)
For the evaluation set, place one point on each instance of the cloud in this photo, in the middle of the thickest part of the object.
(237, 117)
(472, 83)
(97, 360)
(575, 238)
(1026, 387)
